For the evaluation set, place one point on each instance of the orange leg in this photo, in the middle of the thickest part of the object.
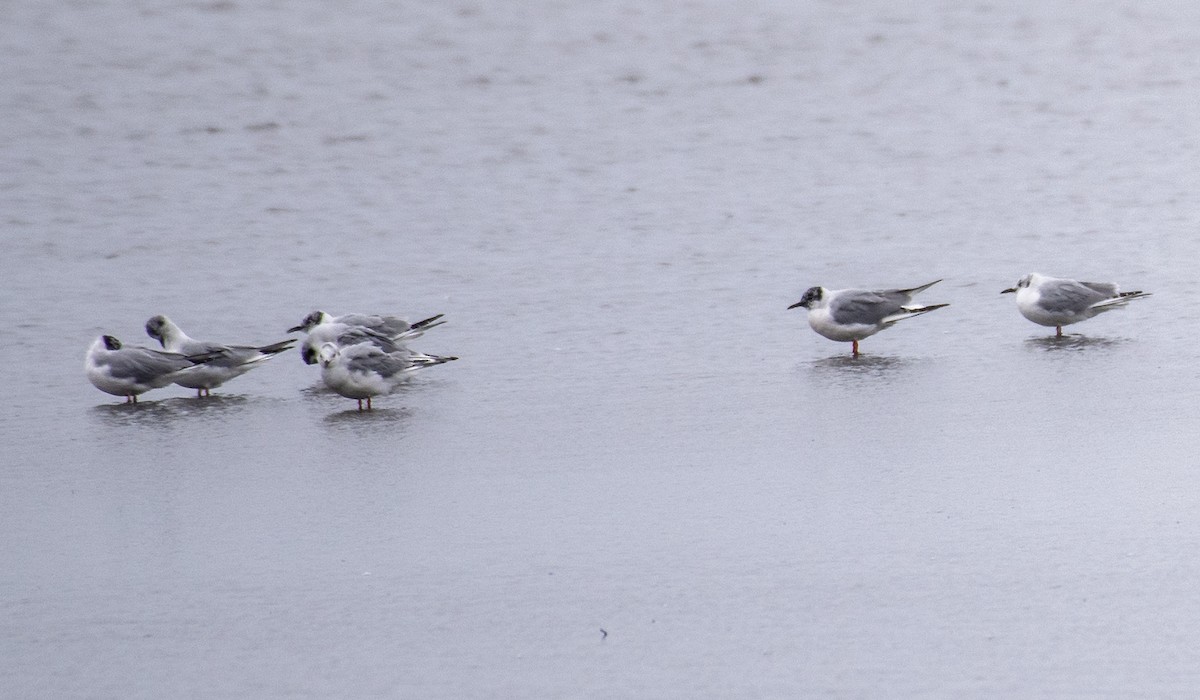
(854, 348)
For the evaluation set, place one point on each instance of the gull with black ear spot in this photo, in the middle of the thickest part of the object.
(129, 371)
(363, 370)
(1058, 302)
(849, 315)
(234, 361)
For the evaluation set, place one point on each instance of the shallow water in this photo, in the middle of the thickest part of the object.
(645, 477)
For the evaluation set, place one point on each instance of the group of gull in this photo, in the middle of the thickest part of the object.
(361, 356)
(849, 315)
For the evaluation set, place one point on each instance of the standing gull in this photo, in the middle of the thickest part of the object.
(853, 314)
(364, 370)
(128, 371)
(235, 360)
(1058, 302)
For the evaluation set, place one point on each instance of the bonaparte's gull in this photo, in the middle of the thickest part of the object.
(853, 314)
(128, 371)
(387, 325)
(323, 328)
(362, 371)
(235, 360)
(1058, 302)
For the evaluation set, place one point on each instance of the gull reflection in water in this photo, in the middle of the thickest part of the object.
(166, 411)
(1073, 342)
(851, 369)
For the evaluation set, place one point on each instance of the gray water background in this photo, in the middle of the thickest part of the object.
(613, 203)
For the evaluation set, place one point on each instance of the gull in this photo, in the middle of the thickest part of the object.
(387, 325)
(364, 370)
(853, 314)
(128, 371)
(323, 328)
(234, 361)
(1058, 302)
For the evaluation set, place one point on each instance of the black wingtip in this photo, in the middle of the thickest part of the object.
(427, 323)
(922, 287)
(279, 347)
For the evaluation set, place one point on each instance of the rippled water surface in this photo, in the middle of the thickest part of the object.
(644, 477)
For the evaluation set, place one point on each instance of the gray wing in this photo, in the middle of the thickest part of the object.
(866, 308)
(361, 334)
(388, 325)
(233, 355)
(1108, 289)
(199, 347)
(143, 365)
(1072, 296)
(226, 355)
(383, 364)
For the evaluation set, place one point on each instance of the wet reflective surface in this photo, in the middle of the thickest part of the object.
(644, 476)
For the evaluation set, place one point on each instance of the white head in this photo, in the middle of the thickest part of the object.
(327, 353)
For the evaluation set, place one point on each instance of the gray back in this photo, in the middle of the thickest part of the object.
(143, 365)
(867, 308)
(1071, 296)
